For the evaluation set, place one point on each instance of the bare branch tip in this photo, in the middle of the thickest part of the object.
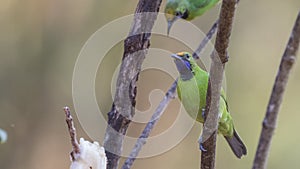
(67, 111)
(72, 132)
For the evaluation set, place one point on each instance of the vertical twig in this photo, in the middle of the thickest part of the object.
(219, 58)
(72, 132)
(135, 49)
(270, 120)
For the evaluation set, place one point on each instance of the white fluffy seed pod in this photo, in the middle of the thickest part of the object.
(91, 156)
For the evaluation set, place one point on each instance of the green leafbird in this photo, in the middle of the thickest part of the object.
(192, 89)
(186, 9)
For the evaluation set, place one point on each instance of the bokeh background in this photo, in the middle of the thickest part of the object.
(40, 41)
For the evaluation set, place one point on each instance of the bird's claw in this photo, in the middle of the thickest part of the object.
(201, 144)
(202, 148)
(203, 113)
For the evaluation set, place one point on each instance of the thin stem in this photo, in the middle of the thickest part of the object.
(206, 39)
(146, 132)
(219, 58)
(72, 132)
(270, 120)
(209, 35)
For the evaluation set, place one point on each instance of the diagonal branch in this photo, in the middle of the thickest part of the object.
(209, 35)
(219, 58)
(146, 132)
(207, 38)
(135, 49)
(270, 120)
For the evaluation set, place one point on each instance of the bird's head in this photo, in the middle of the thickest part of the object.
(173, 11)
(185, 64)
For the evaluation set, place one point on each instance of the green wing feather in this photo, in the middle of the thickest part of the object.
(199, 7)
(192, 94)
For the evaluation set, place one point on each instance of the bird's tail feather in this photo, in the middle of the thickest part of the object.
(236, 145)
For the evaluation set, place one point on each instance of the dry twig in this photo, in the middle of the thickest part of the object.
(72, 132)
(270, 120)
(146, 132)
(207, 38)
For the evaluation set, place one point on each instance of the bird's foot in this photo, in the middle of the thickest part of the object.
(201, 147)
(203, 113)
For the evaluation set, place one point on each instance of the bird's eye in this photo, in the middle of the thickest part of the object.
(187, 56)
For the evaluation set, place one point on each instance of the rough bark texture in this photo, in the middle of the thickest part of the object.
(270, 120)
(135, 49)
(219, 58)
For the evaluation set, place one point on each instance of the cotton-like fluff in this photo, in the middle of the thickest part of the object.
(91, 156)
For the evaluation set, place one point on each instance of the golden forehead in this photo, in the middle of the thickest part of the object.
(180, 53)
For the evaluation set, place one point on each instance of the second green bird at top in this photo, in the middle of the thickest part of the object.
(192, 89)
(186, 9)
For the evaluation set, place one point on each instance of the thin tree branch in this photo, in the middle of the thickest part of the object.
(72, 132)
(207, 38)
(209, 35)
(219, 58)
(270, 120)
(135, 49)
(146, 132)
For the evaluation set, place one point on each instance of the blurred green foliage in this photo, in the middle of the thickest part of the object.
(40, 41)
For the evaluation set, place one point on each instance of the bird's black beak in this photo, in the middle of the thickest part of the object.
(181, 66)
(170, 24)
(183, 69)
(175, 56)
